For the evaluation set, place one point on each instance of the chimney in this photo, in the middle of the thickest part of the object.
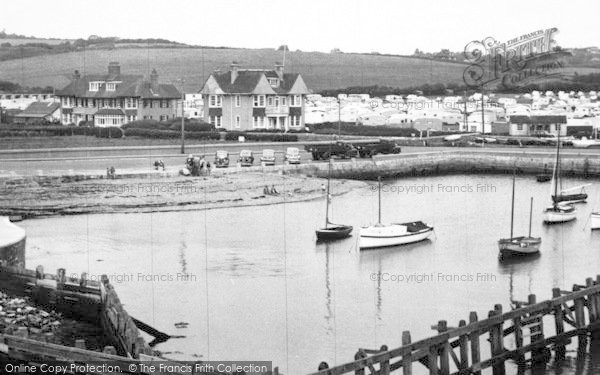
(154, 80)
(234, 71)
(114, 69)
(76, 75)
(279, 70)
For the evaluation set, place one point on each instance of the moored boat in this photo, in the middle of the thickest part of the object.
(595, 220)
(384, 235)
(515, 246)
(12, 243)
(565, 197)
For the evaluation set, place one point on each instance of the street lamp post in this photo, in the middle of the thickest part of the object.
(182, 116)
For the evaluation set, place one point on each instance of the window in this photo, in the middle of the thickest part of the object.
(131, 103)
(295, 121)
(258, 122)
(237, 121)
(519, 127)
(283, 101)
(270, 101)
(111, 86)
(215, 101)
(238, 101)
(259, 100)
(163, 117)
(215, 121)
(273, 81)
(295, 101)
(94, 85)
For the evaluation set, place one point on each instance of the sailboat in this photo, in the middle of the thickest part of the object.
(382, 235)
(560, 211)
(331, 231)
(514, 246)
(595, 220)
(584, 142)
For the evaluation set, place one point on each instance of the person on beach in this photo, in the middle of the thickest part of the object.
(266, 190)
(273, 191)
(112, 172)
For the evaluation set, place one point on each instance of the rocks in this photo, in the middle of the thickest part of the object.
(19, 313)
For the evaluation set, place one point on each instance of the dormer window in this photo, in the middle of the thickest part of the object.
(273, 82)
(95, 85)
(111, 86)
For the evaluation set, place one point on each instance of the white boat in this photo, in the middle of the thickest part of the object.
(12, 244)
(595, 220)
(383, 235)
(560, 211)
(584, 142)
(516, 246)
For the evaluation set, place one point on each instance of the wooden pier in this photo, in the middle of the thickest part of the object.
(529, 334)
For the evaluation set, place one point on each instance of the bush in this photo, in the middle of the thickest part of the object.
(146, 124)
(167, 134)
(365, 130)
(268, 137)
(191, 125)
(109, 132)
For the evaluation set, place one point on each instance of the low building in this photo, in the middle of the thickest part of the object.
(39, 112)
(537, 125)
(20, 101)
(246, 99)
(114, 99)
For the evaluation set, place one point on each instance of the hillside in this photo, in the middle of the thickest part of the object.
(320, 70)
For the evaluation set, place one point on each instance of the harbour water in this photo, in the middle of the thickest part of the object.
(253, 285)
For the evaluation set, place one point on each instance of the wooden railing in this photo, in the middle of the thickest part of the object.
(524, 323)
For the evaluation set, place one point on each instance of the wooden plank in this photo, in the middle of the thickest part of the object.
(559, 349)
(580, 321)
(444, 350)
(464, 348)
(406, 359)
(384, 367)
(474, 339)
(496, 342)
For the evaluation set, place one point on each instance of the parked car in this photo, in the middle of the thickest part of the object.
(292, 155)
(268, 157)
(222, 159)
(246, 158)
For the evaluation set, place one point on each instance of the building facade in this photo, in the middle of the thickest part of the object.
(114, 99)
(254, 99)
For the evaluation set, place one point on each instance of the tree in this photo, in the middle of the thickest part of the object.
(283, 47)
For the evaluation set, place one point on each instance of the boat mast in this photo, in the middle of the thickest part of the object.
(530, 211)
(328, 189)
(512, 208)
(379, 190)
(557, 166)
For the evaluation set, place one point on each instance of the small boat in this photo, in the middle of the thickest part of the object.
(595, 220)
(331, 231)
(563, 196)
(560, 211)
(12, 243)
(383, 235)
(543, 177)
(584, 142)
(518, 246)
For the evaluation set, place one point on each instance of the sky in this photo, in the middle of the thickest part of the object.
(394, 26)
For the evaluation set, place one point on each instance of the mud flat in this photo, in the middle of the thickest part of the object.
(47, 196)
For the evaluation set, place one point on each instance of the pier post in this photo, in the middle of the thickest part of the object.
(517, 324)
(538, 355)
(358, 356)
(384, 367)
(559, 348)
(432, 360)
(496, 342)
(591, 301)
(474, 339)
(445, 349)
(406, 359)
(464, 347)
(580, 323)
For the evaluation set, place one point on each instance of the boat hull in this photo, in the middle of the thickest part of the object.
(554, 216)
(392, 235)
(333, 233)
(595, 221)
(519, 246)
(570, 198)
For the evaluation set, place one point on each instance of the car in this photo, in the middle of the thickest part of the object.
(292, 155)
(221, 159)
(268, 157)
(246, 158)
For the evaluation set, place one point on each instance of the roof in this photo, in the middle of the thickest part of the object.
(540, 119)
(127, 86)
(247, 80)
(39, 109)
(110, 111)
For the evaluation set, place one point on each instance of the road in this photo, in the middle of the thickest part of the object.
(29, 162)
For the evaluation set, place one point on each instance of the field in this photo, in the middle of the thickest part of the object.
(320, 70)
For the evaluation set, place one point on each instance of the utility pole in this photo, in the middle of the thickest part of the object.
(182, 116)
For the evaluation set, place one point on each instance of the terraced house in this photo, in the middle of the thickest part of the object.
(114, 99)
(246, 99)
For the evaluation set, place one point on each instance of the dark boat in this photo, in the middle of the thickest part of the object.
(543, 177)
(570, 198)
(331, 231)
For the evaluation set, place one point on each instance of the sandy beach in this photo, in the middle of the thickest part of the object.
(29, 199)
